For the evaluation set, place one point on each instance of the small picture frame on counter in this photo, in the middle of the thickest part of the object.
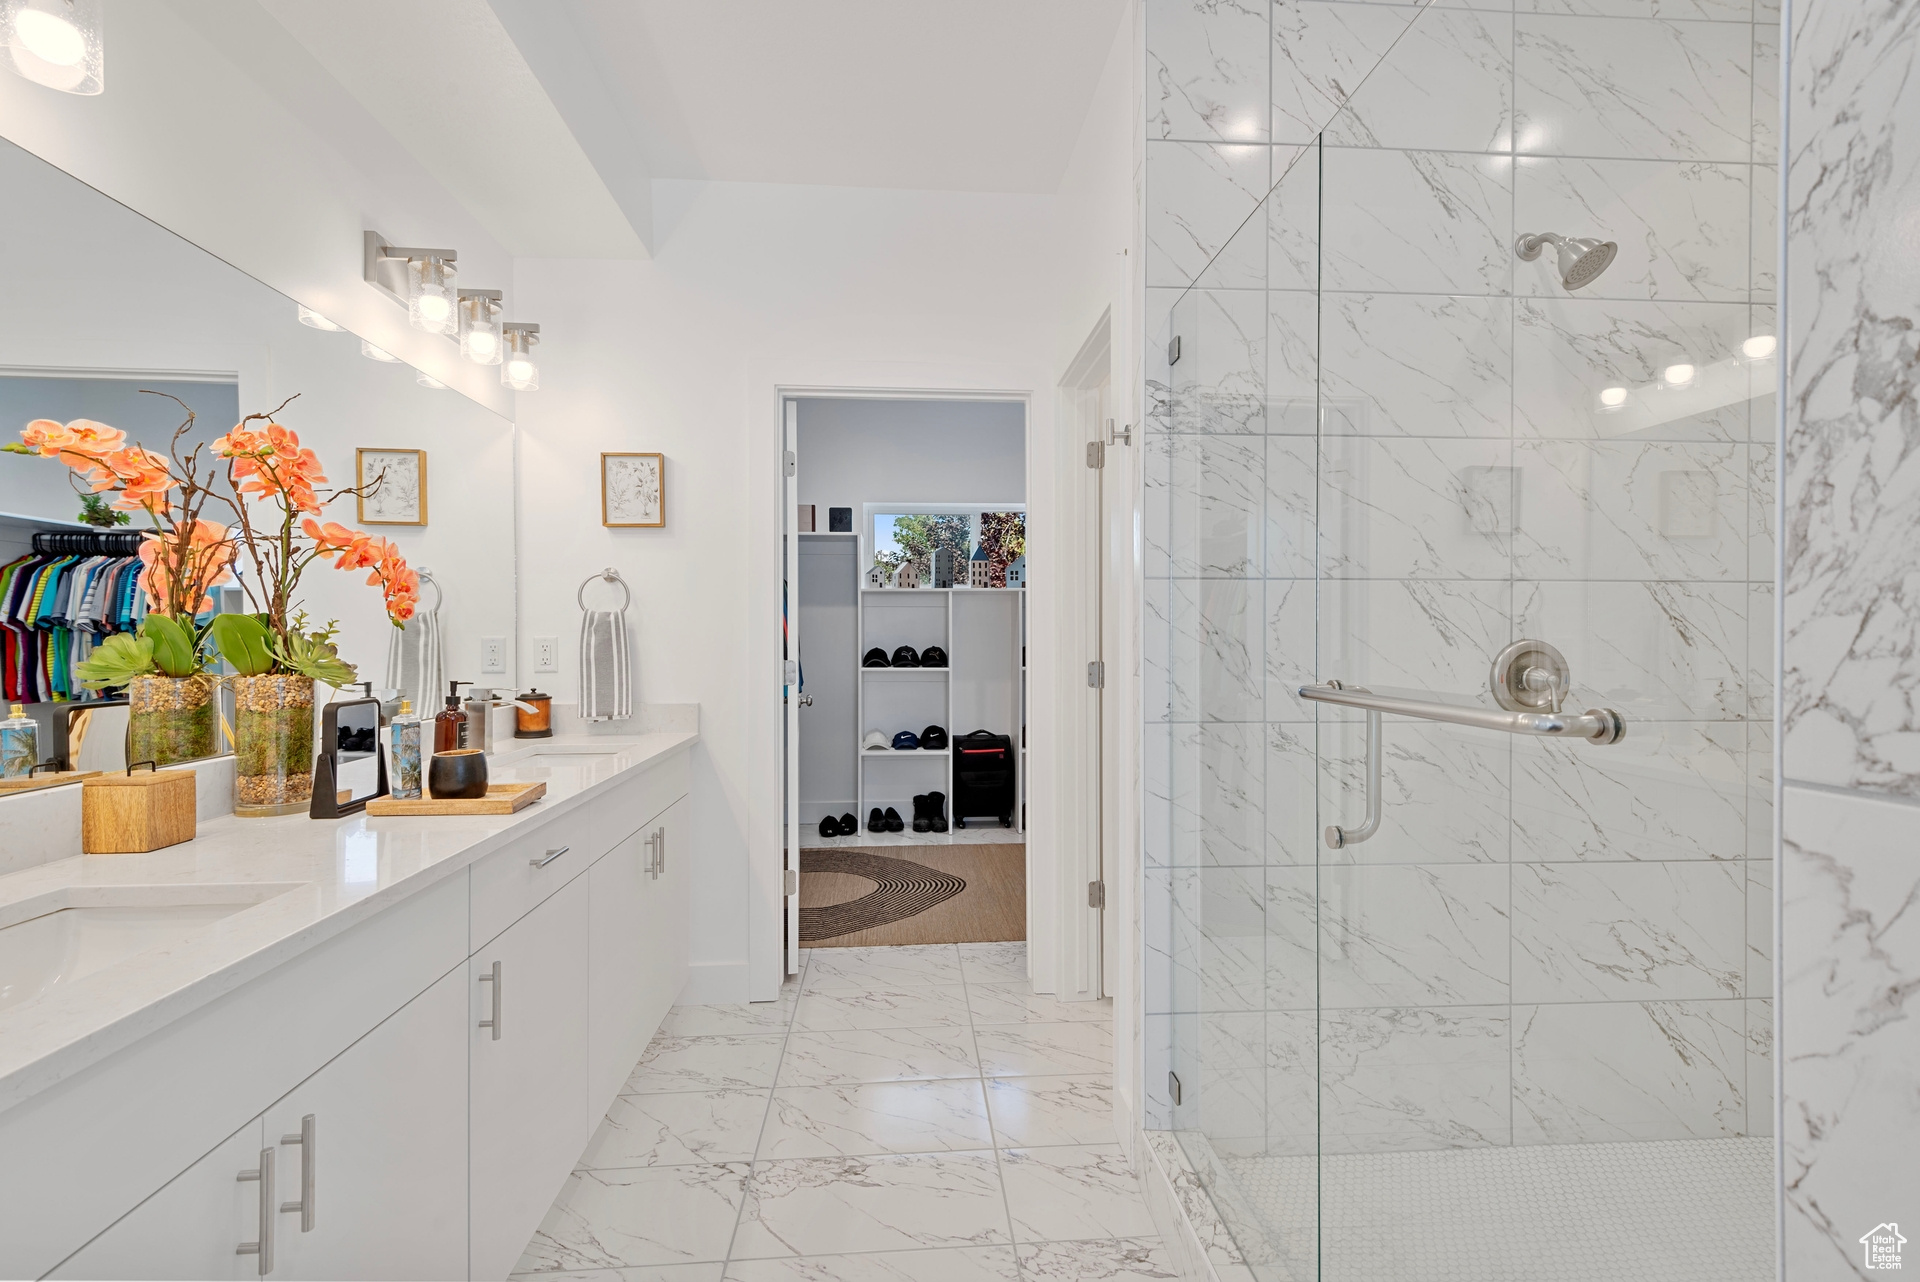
(392, 485)
(633, 491)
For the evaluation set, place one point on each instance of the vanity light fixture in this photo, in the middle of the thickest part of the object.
(56, 43)
(428, 381)
(518, 371)
(1678, 374)
(1612, 398)
(480, 340)
(421, 280)
(1760, 347)
(373, 353)
(310, 317)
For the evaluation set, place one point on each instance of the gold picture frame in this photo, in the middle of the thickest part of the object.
(401, 498)
(633, 491)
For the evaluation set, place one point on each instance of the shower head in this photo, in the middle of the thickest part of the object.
(1582, 258)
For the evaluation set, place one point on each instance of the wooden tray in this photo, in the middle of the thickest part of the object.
(501, 799)
(10, 786)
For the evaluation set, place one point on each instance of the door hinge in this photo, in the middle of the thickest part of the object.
(1096, 894)
(1173, 1086)
(793, 881)
(1123, 436)
(789, 673)
(1097, 675)
(1173, 350)
(1096, 454)
(793, 464)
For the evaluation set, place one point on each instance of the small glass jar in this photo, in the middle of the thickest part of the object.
(272, 745)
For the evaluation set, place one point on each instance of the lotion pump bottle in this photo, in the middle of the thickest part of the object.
(450, 727)
(403, 758)
(19, 745)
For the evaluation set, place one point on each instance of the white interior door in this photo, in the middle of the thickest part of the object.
(1115, 508)
(791, 693)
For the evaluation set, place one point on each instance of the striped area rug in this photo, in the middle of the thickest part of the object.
(860, 896)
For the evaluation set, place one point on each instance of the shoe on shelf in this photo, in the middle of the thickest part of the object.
(848, 824)
(876, 822)
(937, 811)
(893, 821)
(830, 827)
(921, 821)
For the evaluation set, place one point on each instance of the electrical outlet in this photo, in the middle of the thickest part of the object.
(546, 654)
(493, 654)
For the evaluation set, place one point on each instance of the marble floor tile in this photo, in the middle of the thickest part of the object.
(705, 1063)
(745, 1018)
(708, 1272)
(1032, 1111)
(1095, 1260)
(942, 1264)
(1003, 963)
(885, 1117)
(1035, 1049)
(664, 1215)
(877, 1055)
(672, 1130)
(1013, 1004)
(1084, 1191)
(824, 1206)
(867, 968)
(893, 1007)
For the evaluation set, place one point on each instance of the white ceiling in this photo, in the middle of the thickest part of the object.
(549, 120)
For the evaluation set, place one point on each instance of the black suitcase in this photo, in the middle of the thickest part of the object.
(983, 777)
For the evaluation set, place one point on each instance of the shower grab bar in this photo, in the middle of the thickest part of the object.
(1596, 725)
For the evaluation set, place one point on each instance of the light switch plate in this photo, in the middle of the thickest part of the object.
(546, 654)
(493, 654)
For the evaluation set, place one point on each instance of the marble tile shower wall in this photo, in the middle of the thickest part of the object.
(1380, 457)
(1850, 941)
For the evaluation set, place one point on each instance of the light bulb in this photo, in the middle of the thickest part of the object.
(1613, 397)
(431, 284)
(310, 317)
(371, 352)
(50, 37)
(429, 381)
(1678, 374)
(482, 346)
(434, 308)
(1760, 346)
(520, 374)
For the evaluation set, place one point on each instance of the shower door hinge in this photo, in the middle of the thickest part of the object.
(793, 463)
(1097, 675)
(793, 881)
(1173, 350)
(1173, 1086)
(1096, 454)
(1096, 894)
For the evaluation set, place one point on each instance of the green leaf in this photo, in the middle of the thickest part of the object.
(244, 642)
(116, 661)
(175, 650)
(313, 655)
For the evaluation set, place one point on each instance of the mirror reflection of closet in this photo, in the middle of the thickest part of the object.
(102, 303)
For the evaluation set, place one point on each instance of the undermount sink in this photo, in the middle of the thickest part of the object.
(62, 945)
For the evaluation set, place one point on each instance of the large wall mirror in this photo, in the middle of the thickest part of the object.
(103, 306)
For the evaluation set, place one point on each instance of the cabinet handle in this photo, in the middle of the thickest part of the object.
(543, 860)
(493, 1023)
(264, 1247)
(660, 850)
(305, 1139)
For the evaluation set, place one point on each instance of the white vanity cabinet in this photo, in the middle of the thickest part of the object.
(372, 1151)
(192, 1227)
(527, 1111)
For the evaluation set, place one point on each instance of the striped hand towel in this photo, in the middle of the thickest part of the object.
(414, 662)
(606, 679)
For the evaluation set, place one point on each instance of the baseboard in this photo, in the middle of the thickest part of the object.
(715, 984)
(1198, 1244)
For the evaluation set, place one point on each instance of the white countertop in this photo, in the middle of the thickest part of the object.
(307, 880)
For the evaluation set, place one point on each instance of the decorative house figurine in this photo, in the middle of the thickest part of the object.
(980, 570)
(911, 574)
(1017, 573)
(877, 576)
(943, 567)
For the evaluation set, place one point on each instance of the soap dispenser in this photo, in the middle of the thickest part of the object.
(450, 727)
(479, 712)
(19, 745)
(403, 760)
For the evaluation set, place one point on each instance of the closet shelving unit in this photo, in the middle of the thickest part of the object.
(983, 631)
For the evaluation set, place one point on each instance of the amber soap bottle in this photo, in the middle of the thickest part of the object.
(450, 727)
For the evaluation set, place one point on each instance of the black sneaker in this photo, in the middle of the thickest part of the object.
(848, 824)
(876, 822)
(829, 827)
(875, 658)
(937, 811)
(921, 823)
(894, 822)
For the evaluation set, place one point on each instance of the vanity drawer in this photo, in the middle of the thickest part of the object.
(511, 883)
(635, 803)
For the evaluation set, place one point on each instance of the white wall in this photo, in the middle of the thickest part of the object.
(854, 451)
(755, 289)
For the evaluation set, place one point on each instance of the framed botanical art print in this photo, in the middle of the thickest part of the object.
(633, 490)
(400, 498)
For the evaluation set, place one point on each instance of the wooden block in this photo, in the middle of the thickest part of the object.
(501, 799)
(130, 814)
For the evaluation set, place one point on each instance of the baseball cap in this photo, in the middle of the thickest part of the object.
(933, 657)
(905, 657)
(874, 739)
(933, 738)
(904, 740)
(875, 658)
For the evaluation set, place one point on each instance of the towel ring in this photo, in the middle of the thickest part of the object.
(611, 575)
(439, 593)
